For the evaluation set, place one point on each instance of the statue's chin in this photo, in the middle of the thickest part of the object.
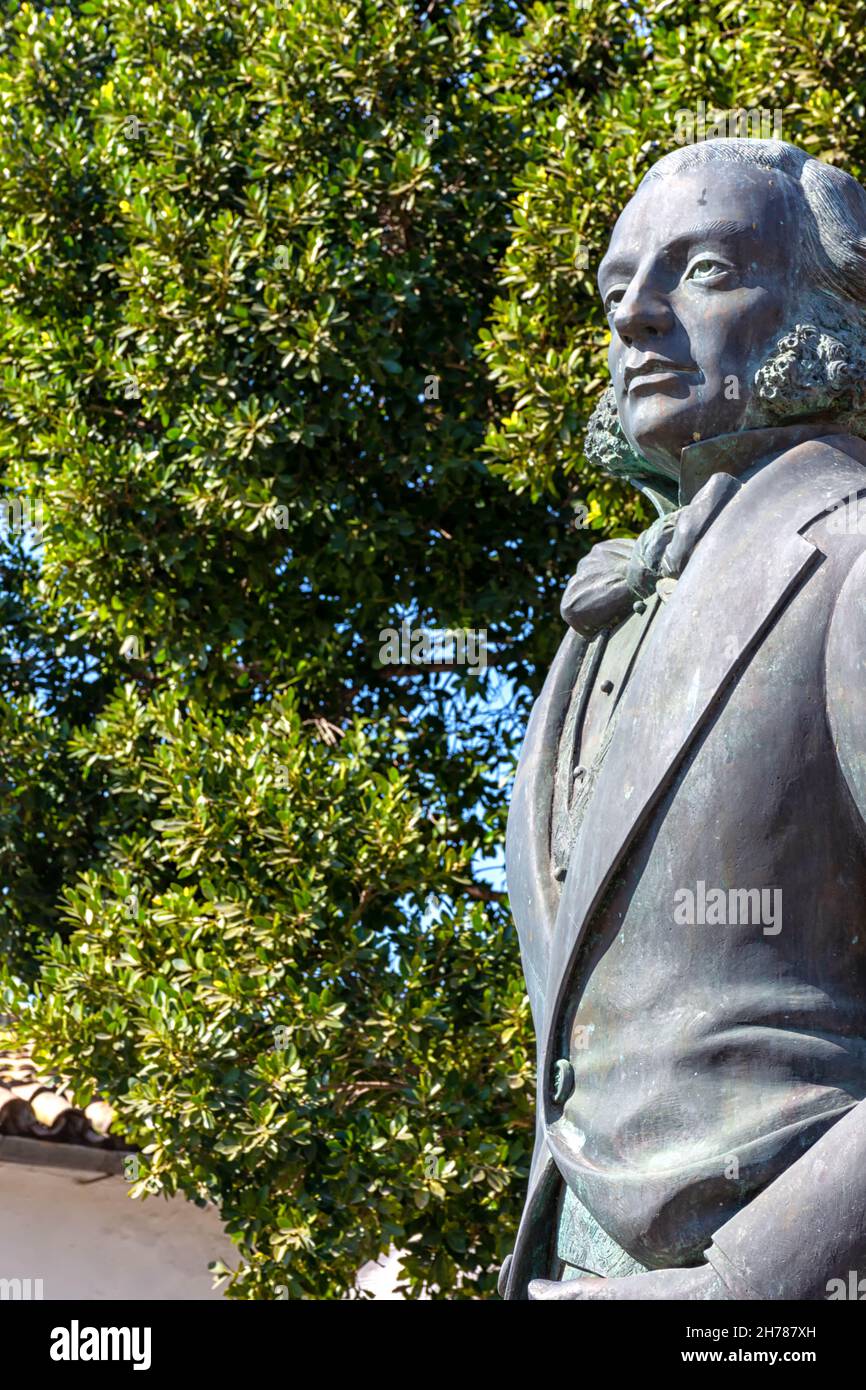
(659, 431)
(662, 453)
(659, 427)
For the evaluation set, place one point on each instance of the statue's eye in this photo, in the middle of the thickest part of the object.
(707, 268)
(612, 300)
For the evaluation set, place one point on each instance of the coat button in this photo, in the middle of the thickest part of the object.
(606, 687)
(639, 606)
(563, 1081)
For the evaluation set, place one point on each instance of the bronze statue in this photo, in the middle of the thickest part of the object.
(687, 838)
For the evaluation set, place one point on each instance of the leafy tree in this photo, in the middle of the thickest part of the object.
(298, 341)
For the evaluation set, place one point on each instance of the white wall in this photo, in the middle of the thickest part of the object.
(82, 1234)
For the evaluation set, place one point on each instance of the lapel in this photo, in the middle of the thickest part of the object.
(533, 892)
(534, 899)
(534, 1247)
(741, 575)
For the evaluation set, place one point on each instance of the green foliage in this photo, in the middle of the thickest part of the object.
(335, 1068)
(241, 858)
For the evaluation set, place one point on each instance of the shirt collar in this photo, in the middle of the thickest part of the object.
(743, 450)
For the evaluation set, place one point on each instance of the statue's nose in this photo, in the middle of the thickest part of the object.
(642, 313)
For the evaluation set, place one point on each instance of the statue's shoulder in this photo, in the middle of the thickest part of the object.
(813, 486)
(835, 487)
(845, 674)
(845, 454)
(836, 464)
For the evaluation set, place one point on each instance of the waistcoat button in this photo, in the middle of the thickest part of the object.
(563, 1081)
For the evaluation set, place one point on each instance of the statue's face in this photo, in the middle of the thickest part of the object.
(700, 278)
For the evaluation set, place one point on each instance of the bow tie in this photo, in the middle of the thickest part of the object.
(617, 574)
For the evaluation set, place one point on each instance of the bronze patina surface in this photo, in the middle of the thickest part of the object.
(687, 839)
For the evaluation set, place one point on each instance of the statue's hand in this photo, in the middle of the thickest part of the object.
(685, 1285)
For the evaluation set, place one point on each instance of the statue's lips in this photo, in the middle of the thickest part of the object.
(654, 375)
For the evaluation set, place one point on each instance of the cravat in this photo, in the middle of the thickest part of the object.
(616, 574)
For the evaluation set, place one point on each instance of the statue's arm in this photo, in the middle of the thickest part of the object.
(807, 1229)
(809, 1226)
(800, 1238)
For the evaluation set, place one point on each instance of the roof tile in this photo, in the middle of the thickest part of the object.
(32, 1108)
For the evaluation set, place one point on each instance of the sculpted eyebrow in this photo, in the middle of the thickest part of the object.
(624, 265)
(718, 228)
